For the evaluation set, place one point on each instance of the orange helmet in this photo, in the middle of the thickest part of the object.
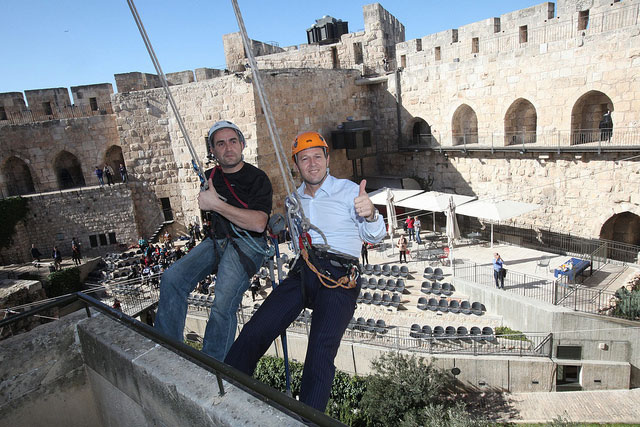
(308, 140)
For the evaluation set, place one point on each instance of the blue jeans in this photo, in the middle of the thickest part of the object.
(411, 233)
(231, 283)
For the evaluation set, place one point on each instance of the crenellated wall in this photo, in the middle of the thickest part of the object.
(545, 71)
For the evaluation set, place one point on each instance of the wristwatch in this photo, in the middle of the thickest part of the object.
(375, 216)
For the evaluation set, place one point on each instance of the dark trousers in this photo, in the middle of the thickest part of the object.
(365, 257)
(499, 277)
(332, 311)
(403, 254)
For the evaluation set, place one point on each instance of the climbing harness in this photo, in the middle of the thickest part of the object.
(349, 281)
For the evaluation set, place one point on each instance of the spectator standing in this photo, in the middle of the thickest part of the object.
(76, 254)
(606, 126)
(57, 258)
(108, 172)
(410, 227)
(346, 216)
(35, 253)
(123, 173)
(196, 230)
(99, 174)
(417, 225)
(255, 287)
(248, 194)
(142, 243)
(364, 252)
(403, 246)
(498, 270)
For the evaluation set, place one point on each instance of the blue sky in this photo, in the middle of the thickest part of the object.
(67, 43)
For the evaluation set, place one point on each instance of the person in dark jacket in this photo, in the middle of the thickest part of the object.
(35, 253)
(57, 258)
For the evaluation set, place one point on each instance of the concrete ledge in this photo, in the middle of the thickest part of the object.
(42, 378)
(164, 388)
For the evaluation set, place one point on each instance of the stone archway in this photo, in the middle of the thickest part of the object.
(421, 132)
(17, 177)
(68, 171)
(520, 123)
(586, 116)
(113, 157)
(623, 227)
(464, 126)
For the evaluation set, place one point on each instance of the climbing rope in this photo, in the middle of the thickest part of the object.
(296, 219)
(197, 165)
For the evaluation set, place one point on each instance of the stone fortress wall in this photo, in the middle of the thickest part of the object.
(100, 218)
(530, 71)
(566, 78)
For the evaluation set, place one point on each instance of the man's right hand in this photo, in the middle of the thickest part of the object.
(209, 200)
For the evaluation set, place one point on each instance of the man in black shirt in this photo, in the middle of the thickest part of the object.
(238, 202)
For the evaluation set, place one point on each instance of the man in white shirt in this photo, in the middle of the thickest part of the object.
(343, 211)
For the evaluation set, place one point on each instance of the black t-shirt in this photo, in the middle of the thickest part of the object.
(251, 185)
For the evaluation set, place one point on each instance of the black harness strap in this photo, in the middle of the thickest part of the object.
(247, 264)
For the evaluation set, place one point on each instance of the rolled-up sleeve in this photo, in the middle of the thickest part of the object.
(372, 232)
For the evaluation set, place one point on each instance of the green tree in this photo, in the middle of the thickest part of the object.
(63, 282)
(406, 390)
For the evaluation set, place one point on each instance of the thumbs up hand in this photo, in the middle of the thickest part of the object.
(364, 206)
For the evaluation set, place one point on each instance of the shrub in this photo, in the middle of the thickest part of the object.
(403, 386)
(627, 303)
(63, 282)
(270, 370)
(511, 334)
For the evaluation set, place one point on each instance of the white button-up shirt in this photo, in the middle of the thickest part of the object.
(332, 210)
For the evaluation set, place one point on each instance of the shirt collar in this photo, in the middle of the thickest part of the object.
(326, 187)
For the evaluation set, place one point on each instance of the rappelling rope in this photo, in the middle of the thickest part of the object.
(292, 203)
(195, 160)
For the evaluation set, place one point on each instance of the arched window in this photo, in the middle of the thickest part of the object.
(113, 157)
(623, 227)
(421, 133)
(464, 126)
(17, 177)
(520, 123)
(68, 171)
(591, 118)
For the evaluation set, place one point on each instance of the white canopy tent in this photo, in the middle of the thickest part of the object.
(433, 201)
(389, 197)
(379, 197)
(495, 210)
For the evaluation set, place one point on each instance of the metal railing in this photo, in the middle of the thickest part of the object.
(402, 338)
(588, 139)
(573, 296)
(278, 400)
(561, 243)
(56, 113)
(515, 282)
(617, 138)
(136, 295)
